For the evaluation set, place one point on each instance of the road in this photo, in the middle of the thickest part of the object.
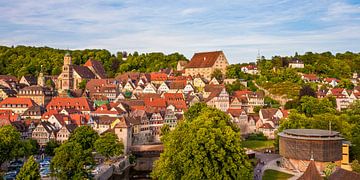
(263, 157)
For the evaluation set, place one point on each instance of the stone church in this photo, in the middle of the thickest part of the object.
(72, 75)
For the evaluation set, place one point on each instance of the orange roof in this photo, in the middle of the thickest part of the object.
(157, 76)
(98, 67)
(81, 103)
(18, 101)
(179, 104)
(8, 115)
(173, 96)
(155, 102)
(312, 77)
(204, 59)
(235, 112)
(329, 80)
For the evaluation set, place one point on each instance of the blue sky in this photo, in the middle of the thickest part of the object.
(239, 28)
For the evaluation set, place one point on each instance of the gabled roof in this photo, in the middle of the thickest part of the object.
(70, 127)
(173, 96)
(98, 67)
(124, 123)
(268, 113)
(34, 111)
(177, 84)
(31, 80)
(310, 77)
(267, 126)
(158, 76)
(329, 80)
(235, 112)
(8, 115)
(18, 101)
(84, 72)
(311, 172)
(81, 103)
(204, 59)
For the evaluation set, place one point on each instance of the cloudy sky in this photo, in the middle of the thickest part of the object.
(240, 28)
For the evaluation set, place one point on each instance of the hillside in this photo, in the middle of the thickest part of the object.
(25, 60)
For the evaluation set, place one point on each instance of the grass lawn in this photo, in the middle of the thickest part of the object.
(257, 144)
(275, 175)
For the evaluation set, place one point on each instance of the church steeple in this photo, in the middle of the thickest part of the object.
(67, 59)
(41, 78)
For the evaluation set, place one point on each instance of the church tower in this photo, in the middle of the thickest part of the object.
(41, 78)
(66, 81)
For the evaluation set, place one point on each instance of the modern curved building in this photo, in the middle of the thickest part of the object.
(298, 146)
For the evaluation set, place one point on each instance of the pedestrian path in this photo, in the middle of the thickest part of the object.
(273, 165)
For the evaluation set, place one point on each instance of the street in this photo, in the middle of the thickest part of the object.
(263, 159)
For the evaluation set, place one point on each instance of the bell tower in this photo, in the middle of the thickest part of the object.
(67, 81)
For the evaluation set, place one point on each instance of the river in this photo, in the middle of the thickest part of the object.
(141, 171)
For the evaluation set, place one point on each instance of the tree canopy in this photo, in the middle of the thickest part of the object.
(25, 60)
(9, 143)
(70, 161)
(50, 147)
(207, 146)
(109, 145)
(30, 170)
(85, 136)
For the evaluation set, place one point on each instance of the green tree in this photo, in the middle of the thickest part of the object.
(85, 136)
(194, 111)
(70, 161)
(329, 169)
(30, 170)
(235, 86)
(218, 75)
(164, 129)
(206, 147)
(109, 145)
(9, 143)
(50, 147)
(355, 166)
(26, 148)
(82, 84)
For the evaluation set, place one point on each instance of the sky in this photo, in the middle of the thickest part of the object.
(241, 28)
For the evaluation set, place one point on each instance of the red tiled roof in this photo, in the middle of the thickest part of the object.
(81, 103)
(78, 118)
(8, 115)
(235, 112)
(311, 77)
(177, 84)
(329, 80)
(98, 67)
(173, 96)
(204, 59)
(17, 101)
(268, 113)
(157, 76)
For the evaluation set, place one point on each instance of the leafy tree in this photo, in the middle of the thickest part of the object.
(294, 104)
(329, 169)
(30, 170)
(82, 84)
(218, 75)
(269, 102)
(49, 83)
(235, 86)
(26, 148)
(346, 83)
(310, 106)
(205, 147)
(194, 111)
(109, 145)
(70, 161)
(9, 143)
(307, 91)
(85, 136)
(50, 147)
(164, 129)
(355, 166)
(257, 109)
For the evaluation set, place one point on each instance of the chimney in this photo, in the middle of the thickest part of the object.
(151, 99)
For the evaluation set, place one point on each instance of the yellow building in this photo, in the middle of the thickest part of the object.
(205, 63)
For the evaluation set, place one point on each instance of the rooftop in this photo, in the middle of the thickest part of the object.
(314, 134)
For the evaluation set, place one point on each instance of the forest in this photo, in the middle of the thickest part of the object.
(26, 60)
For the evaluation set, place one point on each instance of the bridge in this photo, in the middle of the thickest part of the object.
(150, 150)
